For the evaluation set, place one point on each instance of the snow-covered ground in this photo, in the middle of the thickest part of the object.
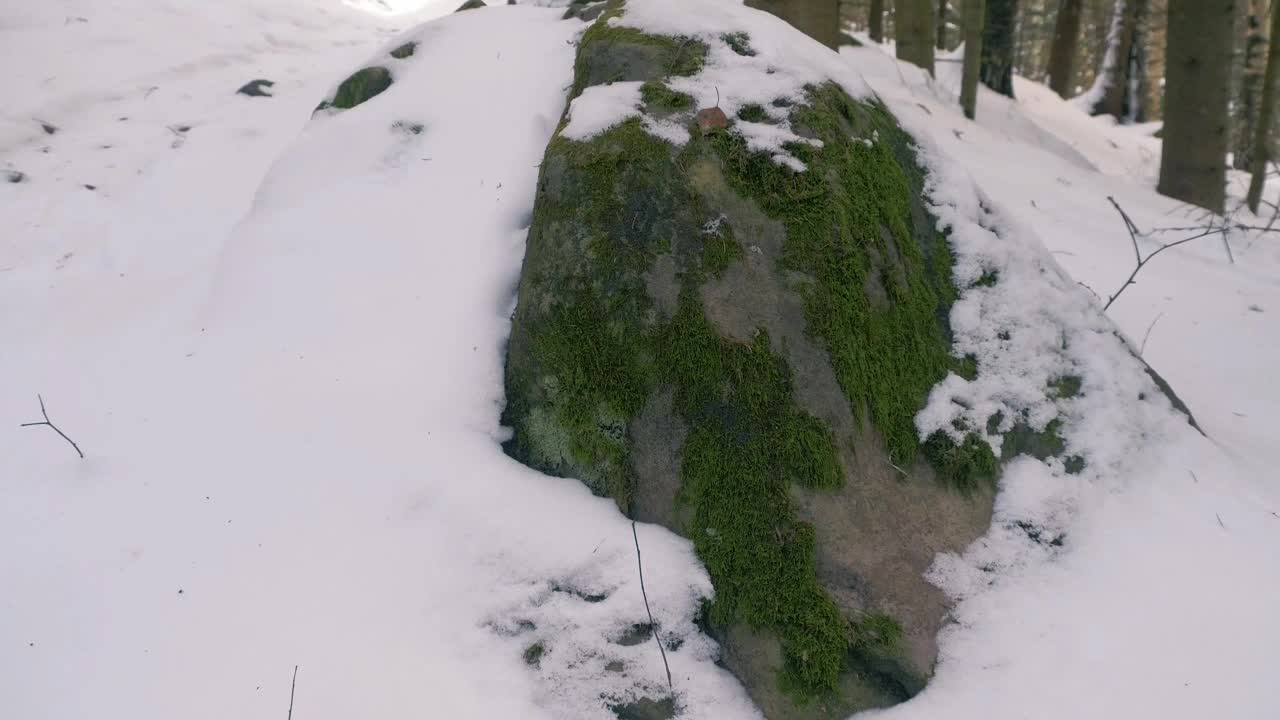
(279, 343)
(1162, 602)
(278, 340)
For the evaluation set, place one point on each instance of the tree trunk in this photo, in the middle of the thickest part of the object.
(819, 19)
(1119, 88)
(875, 21)
(1197, 77)
(1062, 54)
(1266, 117)
(1250, 84)
(998, 46)
(940, 29)
(914, 37)
(974, 12)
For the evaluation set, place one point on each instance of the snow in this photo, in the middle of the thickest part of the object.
(1155, 603)
(410, 10)
(780, 61)
(600, 107)
(280, 345)
(278, 339)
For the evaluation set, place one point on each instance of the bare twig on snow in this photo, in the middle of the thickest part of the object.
(1150, 327)
(652, 625)
(48, 422)
(1200, 231)
(292, 686)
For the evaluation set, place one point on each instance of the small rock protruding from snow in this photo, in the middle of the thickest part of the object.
(257, 88)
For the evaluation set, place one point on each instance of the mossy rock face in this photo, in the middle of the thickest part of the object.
(363, 84)
(405, 50)
(586, 10)
(737, 350)
(646, 709)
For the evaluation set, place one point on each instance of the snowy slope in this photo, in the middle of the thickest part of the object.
(278, 339)
(1161, 602)
(287, 390)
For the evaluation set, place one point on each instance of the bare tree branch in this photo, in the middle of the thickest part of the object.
(652, 625)
(1150, 327)
(48, 422)
(292, 686)
(1200, 231)
(1128, 225)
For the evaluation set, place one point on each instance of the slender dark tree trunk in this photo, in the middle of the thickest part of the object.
(998, 45)
(1119, 87)
(940, 29)
(913, 38)
(875, 21)
(1062, 53)
(1193, 158)
(819, 19)
(1266, 117)
(974, 14)
(1255, 57)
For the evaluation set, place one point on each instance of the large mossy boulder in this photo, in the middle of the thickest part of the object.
(736, 348)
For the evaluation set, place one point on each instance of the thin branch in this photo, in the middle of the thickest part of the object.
(1128, 224)
(48, 422)
(1274, 216)
(1150, 327)
(292, 687)
(1204, 231)
(652, 625)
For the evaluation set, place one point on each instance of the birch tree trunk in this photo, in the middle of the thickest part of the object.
(1251, 78)
(974, 14)
(1119, 87)
(940, 29)
(1266, 117)
(998, 45)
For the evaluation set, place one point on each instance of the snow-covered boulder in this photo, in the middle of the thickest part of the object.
(730, 331)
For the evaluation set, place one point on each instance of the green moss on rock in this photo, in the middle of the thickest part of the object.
(879, 631)
(1067, 386)
(609, 53)
(364, 84)
(404, 51)
(612, 313)
(750, 440)
(660, 99)
(740, 43)
(855, 218)
(533, 654)
(1040, 444)
(963, 466)
(645, 709)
